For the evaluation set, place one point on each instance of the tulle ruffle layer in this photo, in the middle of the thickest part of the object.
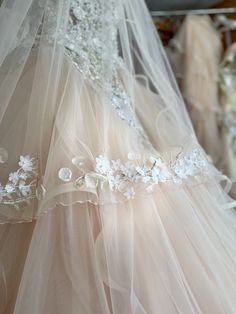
(55, 140)
(172, 251)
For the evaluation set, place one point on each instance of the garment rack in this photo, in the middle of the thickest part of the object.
(194, 12)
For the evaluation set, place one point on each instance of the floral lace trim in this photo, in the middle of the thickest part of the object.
(21, 185)
(126, 177)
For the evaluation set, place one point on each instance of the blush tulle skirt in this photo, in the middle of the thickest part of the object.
(88, 251)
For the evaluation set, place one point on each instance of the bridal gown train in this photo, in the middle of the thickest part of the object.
(108, 204)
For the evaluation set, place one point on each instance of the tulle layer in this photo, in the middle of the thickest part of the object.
(73, 125)
(169, 252)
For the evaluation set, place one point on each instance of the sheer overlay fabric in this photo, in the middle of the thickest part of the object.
(107, 202)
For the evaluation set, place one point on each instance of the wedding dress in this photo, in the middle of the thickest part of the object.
(228, 91)
(195, 54)
(107, 202)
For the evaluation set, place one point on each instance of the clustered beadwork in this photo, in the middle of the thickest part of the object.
(125, 177)
(90, 40)
(90, 37)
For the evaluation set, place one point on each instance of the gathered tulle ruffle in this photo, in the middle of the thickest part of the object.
(172, 250)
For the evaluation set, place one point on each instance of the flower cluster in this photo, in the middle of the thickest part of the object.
(137, 171)
(21, 183)
(122, 176)
(190, 165)
(151, 172)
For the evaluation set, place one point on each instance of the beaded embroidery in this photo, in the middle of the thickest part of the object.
(91, 41)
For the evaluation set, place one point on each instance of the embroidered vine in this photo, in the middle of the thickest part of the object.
(125, 177)
(122, 177)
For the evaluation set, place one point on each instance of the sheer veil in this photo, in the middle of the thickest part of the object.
(25, 23)
(34, 42)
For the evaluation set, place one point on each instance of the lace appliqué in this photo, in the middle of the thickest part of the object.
(21, 185)
(127, 178)
(90, 40)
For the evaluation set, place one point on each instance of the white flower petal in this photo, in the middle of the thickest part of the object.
(26, 163)
(134, 156)
(10, 188)
(150, 188)
(90, 181)
(65, 174)
(13, 177)
(103, 165)
(146, 179)
(77, 161)
(116, 164)
(157, 161)
(3, 155)
(130, 193)
(40, 192)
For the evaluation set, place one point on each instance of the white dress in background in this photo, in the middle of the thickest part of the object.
(195, 54)
(228, 89)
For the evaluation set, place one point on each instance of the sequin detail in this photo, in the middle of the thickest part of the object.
(127, 178)
(21, 184)
(65, 174)
(90, 40)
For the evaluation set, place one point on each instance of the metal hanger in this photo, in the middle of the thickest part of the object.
(194, 12)
(223, 23)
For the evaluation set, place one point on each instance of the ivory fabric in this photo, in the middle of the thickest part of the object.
(195, 56)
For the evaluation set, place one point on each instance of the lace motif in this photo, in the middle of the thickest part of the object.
(21, 185)
(91, 41)
(127, 177)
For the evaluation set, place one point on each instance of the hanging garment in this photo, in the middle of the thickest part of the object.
(195, 57)
(228, 90)
(108, 203)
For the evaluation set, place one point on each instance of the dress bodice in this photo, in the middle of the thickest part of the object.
(90, 40)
